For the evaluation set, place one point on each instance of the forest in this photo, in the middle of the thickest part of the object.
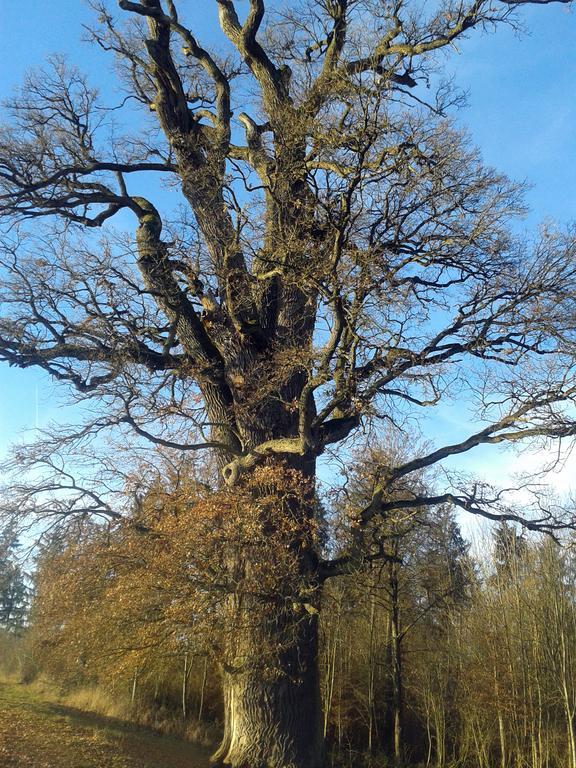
(443, 655)
(279, 294)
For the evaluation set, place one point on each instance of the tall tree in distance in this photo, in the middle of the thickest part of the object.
(341, 259)
(14, 592)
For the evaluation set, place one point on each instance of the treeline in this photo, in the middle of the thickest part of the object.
(432, 654)
(451, 660)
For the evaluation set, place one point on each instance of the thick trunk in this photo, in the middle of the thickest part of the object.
(273, 715)
(269, 665)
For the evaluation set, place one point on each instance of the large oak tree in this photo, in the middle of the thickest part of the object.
(341, 259)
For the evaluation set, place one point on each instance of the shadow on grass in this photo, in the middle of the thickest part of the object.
(129, 744)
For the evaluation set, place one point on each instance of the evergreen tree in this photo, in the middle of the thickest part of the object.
(14, 591)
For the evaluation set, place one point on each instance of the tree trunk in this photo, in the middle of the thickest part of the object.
(371, 675)
(273, 716)
(203, 689)
(270, 665)
(185, 673)
(397, 681)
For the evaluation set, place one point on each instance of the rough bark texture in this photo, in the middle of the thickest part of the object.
(273, 717)
(270, 675)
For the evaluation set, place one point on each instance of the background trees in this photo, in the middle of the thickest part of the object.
(15, 596)
(443, 657)
(14, 591)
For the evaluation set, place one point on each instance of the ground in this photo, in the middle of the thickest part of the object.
(39, 734)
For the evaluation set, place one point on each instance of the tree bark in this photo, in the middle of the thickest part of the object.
(397, 681)
(270, 665)
(273, 716)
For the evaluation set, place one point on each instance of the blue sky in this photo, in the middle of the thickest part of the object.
(521, 113)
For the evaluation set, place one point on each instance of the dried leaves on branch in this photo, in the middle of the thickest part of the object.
(158, 583)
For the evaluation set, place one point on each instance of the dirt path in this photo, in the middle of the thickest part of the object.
(38, 734)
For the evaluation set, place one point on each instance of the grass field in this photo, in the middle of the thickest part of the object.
(35, 733)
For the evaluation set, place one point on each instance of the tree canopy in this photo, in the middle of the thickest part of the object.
(343, 256)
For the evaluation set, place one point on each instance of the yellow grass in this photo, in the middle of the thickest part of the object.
(36, 732)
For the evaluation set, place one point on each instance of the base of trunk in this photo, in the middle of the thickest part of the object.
(273, 718)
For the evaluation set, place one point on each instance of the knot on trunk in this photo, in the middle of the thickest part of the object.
(150, 223)
(292, 445)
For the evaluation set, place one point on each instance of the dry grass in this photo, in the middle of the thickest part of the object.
(101, 702)
(95, 699)
(37, 733)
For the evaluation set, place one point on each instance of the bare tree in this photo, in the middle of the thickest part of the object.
(342, 259)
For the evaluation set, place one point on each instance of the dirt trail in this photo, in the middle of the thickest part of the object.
(38, 734)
